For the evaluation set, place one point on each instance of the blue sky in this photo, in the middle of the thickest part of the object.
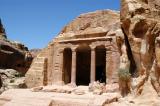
(36, 22)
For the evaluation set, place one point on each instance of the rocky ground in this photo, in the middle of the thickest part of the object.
(11, 79)
(76, 96)
(56, 96)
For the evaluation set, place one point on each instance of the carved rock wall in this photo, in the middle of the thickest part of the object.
(84, 30)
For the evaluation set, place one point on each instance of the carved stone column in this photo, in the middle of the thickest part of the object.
(73, 73)
(93, 65)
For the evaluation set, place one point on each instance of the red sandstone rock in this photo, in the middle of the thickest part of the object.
(141, 25)
(13, 54)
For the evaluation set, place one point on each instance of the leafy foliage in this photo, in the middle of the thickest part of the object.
(124, 74)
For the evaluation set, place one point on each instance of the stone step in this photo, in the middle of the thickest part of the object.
(39, 59)
(34, 71)
(56, 70)
(37, 65)
(56, 65)
(39, 62)
(37, 68)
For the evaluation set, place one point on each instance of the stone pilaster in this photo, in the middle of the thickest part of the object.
(58, 67)
(61, 67)
(115, 66)
(108, 65)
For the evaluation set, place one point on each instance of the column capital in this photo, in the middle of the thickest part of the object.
(92, 47)
(74, 48)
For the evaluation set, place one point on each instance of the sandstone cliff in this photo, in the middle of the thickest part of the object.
(141, 26)
(13, 54)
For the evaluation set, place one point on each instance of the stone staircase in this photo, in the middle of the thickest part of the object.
(38, 69)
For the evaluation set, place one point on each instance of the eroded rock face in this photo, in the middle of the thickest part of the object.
(140, 21)
(141, 25)
(13, 54)
(102, 21)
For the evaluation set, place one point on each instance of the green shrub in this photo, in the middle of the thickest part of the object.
(124, 74)
(12, 81)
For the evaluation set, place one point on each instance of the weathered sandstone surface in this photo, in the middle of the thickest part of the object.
(141, 26)
(13, 55)
(15, 60)
(120, 50)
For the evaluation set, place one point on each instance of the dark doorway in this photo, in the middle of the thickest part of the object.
(67, 61)
(101, 64)
(83, 65)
